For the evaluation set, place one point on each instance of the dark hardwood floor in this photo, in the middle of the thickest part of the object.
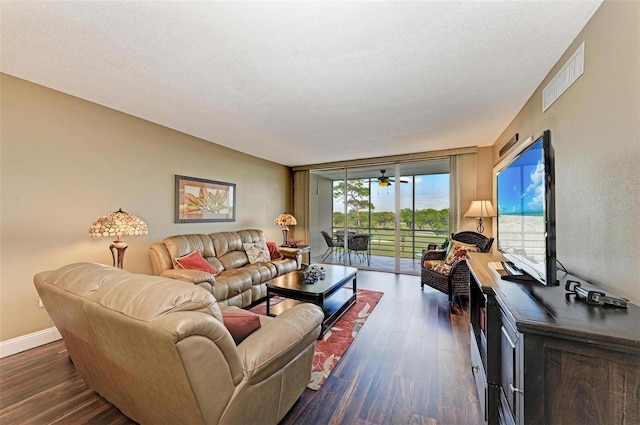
(408, 365)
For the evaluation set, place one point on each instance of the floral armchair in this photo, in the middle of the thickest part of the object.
(447, 270)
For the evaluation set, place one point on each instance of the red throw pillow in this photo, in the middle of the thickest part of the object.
(274, 252)
(240, 323)
(195, 261)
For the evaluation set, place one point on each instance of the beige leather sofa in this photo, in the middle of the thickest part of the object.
(157, 348)
(237, 283)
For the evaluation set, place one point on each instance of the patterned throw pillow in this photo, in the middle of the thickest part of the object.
(195, 261)
(257, 252)
(458, 251)
(437, 266)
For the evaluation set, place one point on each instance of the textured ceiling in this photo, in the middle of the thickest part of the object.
(299, 82)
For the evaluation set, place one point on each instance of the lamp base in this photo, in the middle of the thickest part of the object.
(118, 247)
(285, 236)
(480, 227)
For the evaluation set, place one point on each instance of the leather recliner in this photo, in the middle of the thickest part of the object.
(158, 350)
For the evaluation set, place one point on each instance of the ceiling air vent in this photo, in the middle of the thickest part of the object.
(569, 73)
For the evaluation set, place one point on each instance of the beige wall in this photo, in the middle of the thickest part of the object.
(479, 187)
(595, 132)
(65, 162)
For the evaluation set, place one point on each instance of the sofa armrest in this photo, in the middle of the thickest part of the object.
(189, 275)
(276, 343)
(295, 253)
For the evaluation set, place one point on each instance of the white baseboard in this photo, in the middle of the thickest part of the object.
(27, 342)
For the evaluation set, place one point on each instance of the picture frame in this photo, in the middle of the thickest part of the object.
(202, 201)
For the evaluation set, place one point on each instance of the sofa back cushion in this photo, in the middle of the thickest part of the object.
(182, 245)
(229, 249)
(140, 297)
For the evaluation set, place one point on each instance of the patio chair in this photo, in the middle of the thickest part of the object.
(359, 243)
(333, 245)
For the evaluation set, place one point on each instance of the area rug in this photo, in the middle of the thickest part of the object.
(333, 345)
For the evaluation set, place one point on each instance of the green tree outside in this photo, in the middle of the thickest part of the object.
(418, 228)
(356, 196)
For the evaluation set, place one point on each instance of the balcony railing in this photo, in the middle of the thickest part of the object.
(412, 241)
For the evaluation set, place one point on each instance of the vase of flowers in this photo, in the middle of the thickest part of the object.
(293, 243)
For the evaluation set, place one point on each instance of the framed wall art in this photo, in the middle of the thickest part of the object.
(200, 200)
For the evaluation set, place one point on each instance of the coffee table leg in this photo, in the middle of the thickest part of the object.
(268, 302)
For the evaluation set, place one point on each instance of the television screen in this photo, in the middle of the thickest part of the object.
(526, 211)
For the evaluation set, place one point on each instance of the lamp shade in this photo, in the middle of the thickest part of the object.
(481, 209)
(117, 224)
(285, 220)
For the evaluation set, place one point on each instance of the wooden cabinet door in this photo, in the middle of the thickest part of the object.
(511, 370)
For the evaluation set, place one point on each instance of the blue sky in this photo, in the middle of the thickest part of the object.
(527, 172)
(432, 191)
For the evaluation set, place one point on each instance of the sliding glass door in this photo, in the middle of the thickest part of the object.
(423, 214)
(380, 217)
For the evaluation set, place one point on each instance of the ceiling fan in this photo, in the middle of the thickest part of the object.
(387, 181)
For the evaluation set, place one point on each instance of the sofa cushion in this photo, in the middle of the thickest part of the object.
(274, 252)
(285, 265)
(234, 260)
(181, 245)
(195, 261)
(261, 272)
(458, 251)
(232, 283)
(240, 323)
(226, 242)
(257, 252)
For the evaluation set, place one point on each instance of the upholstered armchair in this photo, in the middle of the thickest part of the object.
(164, 351)
(446, 269)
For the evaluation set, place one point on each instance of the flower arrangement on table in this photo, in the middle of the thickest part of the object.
(293, 243)
(313, 274)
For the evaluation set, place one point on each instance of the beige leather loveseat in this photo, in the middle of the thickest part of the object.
(158, 350)
(236, 282)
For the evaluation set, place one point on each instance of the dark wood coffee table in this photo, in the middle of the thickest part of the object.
(328, 293)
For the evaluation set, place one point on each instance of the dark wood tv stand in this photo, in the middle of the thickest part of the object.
(540, 356)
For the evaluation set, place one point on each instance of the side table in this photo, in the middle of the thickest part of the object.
(296, 252)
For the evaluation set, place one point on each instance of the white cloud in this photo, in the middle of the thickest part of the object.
(536, 187)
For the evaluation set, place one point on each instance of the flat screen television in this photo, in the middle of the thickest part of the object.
(526, 212)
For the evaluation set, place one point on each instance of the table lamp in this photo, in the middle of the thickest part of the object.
(480, 209)
(117, 224)
(285, 220)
